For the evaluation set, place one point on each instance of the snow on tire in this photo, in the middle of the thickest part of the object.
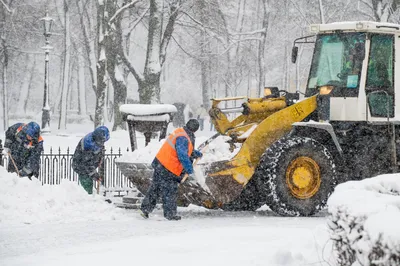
(296, 175)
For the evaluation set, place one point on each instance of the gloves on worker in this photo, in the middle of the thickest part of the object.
(6, 151)
(197, 154)
(96, 176)
(22, 173)
(191, 178)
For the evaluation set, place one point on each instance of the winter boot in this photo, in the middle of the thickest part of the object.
(173, 218)
(145, 215)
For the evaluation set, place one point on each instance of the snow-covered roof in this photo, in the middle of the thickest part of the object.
(364, 26)
(147, 109)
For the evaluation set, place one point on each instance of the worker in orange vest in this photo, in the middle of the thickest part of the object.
(172, 161)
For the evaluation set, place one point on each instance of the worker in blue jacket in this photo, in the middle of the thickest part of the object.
(172, 162)
(88, 155)
(24, 145)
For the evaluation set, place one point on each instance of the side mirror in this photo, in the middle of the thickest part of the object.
(295, 51)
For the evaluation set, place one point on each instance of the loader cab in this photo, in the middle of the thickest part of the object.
(358, 60)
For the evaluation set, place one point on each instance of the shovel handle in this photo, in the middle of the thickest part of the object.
(98, 182)
(203, 147)
(15, 165)
(187, 175)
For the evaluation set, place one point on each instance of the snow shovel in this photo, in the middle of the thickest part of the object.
(12, 160)
(202, 147)
(187, 175)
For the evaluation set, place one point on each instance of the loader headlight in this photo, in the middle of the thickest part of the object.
(271, 92)
(325, 90)
(267, 92)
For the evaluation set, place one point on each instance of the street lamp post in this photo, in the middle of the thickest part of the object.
(47, 23)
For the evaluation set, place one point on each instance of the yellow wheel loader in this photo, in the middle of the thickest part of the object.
(294, 152)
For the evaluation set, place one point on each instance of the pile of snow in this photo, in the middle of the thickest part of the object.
(217, 150)
(23, 201)
(364, 219)
(147, 109)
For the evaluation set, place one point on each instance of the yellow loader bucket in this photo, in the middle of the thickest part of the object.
(226, 179)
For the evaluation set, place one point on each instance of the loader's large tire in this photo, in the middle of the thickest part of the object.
(297, 175)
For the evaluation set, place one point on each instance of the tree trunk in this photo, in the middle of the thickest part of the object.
(120, 93)
(321, 12)
(261, 48)
(383, 10)
(81, 84)
(5, 88)
(102, 21)
(147, 89)
(4, 45)
(64, 91)
(150, 91)
(89, 49)
(24, 85)
(29, 86)
(205, 60)
(114, 37)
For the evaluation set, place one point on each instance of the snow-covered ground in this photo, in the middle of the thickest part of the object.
(61, 225)
(364, 218)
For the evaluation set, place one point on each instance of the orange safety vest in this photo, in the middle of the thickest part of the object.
(30, 144)
(168, 156)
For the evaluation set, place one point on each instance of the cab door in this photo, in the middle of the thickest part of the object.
(379, 85)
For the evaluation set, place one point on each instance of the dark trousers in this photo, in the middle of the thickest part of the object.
(87, 183)
(164, 185)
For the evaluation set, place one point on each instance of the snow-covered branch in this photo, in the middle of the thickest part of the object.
(5, 5)
(367, 4)
(183, 49)
(122, 9)
(137, 21)
(249, 32)
(239, 41)
(168, 31)
(300, 11)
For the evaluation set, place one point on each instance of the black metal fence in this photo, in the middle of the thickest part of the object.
(57, 165)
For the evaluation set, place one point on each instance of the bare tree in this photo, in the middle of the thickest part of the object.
(102, 24)
(261, 47)
(5, 11)
(158, 39)
(382, 9)
(62, 124)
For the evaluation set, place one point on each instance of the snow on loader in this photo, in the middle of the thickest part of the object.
(294, 153)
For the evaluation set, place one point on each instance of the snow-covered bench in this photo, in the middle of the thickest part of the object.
(147, 119)
(364, 220)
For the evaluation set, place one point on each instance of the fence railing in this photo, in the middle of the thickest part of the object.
(57, 165)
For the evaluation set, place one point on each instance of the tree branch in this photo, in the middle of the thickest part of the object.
(119, 11)
(7, 8)
(138, 20)
(121, 52)
(367, 4)
(239, 41)
(169, 29)
(301, 12)
(249, 32)
(189, 54)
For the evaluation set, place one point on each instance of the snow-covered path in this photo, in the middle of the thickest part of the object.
(201, 238)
